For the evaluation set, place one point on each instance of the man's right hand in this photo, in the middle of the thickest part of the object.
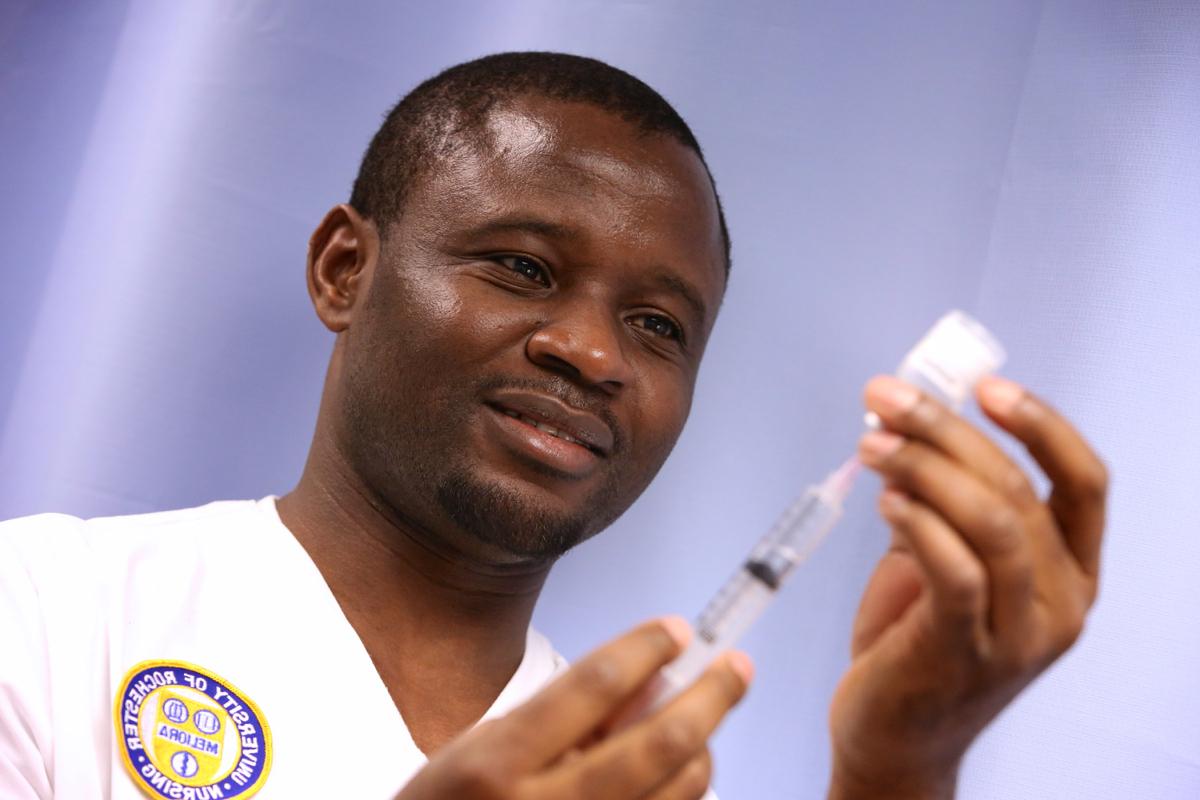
(559, 745)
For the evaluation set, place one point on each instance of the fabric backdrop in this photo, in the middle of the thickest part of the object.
(1034, 163)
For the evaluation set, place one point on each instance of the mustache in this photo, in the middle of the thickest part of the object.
(591, 401)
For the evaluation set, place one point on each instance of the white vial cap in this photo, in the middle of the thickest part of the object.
(951, 358)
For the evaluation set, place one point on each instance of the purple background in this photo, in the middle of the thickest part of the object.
(1034, 163)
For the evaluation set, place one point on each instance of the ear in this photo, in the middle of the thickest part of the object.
(341, 258)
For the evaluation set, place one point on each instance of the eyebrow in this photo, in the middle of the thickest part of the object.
(659, 276)
(526, 225)
(687, 291)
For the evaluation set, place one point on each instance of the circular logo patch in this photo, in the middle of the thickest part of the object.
(187, 734)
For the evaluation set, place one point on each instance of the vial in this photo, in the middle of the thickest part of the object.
(948, 361)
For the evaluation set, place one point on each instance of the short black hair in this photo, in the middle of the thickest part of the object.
(431, 119)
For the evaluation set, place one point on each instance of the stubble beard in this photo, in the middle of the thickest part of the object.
(492, 512)
(500, 516)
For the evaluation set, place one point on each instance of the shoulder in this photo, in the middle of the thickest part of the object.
(30, 546)
(59, 551)
(29, 533)
(41, 534)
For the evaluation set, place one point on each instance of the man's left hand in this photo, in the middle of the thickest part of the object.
(984, 586)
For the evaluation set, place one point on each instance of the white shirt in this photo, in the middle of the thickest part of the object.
(250, 633)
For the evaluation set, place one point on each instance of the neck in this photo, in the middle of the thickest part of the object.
(445, 630)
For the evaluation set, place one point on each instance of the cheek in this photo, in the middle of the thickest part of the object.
(416, 312)
(435, 324)
(663, 410)
(439, 305)
(400, 347)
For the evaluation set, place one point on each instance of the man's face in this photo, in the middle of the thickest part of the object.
(525, 355)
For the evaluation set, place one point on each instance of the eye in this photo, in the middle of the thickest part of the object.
(526, 267)
(659, 326)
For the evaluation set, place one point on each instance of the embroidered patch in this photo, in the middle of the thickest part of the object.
(187, 734)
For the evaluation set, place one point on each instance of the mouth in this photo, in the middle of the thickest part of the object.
(546, 427)
(548, 434)
(556, 418)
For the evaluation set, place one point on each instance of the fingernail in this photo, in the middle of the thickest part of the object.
(999, 395)
(892, 502)
(678, 629)
(740, 663)
(875, 446)
(890, 396)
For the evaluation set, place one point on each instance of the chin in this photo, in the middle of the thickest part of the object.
(523, 521)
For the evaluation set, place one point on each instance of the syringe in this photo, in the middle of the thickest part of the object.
(946, 363)
(747, 594)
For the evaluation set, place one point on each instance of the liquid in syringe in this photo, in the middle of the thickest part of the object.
(746, 595)
(946, 363)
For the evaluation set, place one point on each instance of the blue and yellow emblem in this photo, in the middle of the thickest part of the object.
(187, 734)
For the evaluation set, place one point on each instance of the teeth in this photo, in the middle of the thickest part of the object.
(541, 426)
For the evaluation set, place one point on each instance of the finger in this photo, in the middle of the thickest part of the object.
(645, 755)
(905, 410)
(563, 714)
(994, 529)
(956, 579)
(1079, 477)
(896, 583)
(690, 782)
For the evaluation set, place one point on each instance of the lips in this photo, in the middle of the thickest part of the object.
(554, 417)
(541, 426)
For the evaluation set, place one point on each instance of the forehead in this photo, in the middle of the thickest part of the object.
(635, 197)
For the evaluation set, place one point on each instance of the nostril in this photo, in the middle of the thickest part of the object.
(582, 349)
(559, 364)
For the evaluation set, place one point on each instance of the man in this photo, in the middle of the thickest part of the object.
(521, 288)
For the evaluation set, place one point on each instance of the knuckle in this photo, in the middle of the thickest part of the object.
(1028, 655)
(964, 590)
(1015, 485)
(673, 741)
(478, 778)
(1020, 581)
(1093, 481)
(732, 687)
(589, 784)
(600, 676)
(1031, 654)
(894, 508)
(696, 776)
(1068, 630)
(1005, 528)
(1021, 655)
(904, 465)
(925, 413)
(1067, 636)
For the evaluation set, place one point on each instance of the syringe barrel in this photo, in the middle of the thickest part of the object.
(736, 606)
(946, 363)
(733, 609)
(746, 595)
(793, 538)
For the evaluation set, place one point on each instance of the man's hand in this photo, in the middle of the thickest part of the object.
(984, 586)
(558, 744)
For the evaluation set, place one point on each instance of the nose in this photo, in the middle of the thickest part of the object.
(584, 344)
